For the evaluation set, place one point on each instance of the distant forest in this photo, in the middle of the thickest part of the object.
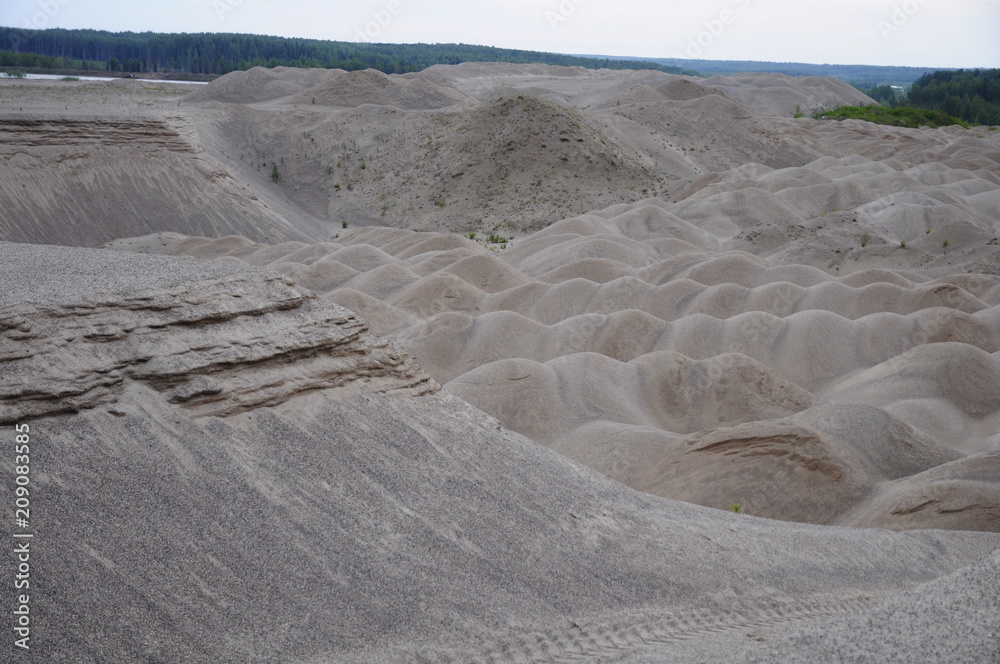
(215, 54)
(972, 95)
(860, 76)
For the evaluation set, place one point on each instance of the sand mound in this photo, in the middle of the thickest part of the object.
(662, 390)
(260, 84)
(843, 261)
(271, 456)
(676, 348)
(295, 152)
(778, 94)
(795, 317)
(351, 89)
(86, 181)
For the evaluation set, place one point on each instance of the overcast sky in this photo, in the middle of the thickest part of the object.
(926, 33)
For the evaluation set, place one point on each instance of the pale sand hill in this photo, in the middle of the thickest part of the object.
(85, 163)
(781, 95)
(714, 304)
(471, 147)
(716, 393)
(230, 469)
(694, 349)
(688, 343)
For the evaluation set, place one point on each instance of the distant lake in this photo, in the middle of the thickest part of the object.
(58, 77)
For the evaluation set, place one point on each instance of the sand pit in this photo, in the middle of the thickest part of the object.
(865, 272)
(331, 428)
(275, 468)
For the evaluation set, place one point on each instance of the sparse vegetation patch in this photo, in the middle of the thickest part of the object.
(896, 117)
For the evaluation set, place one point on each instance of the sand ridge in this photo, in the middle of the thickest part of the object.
(586, 365)
(696, 298)
(760, 294)
(773, 273)
(344, 521)
(473, 147)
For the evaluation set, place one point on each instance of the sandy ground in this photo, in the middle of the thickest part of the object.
(692, 297)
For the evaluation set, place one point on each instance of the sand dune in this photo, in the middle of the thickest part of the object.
(563, 338)
(273, 468)
(863, 274)
(778, 94)
(514, 146)
(668, 281)
(261, 84)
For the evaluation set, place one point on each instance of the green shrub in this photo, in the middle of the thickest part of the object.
(896, 117)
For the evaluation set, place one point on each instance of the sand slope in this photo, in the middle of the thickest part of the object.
(365, 515)
(692, 345)
(698, 297)
(288, 154)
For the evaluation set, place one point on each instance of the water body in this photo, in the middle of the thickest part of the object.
(59, 77)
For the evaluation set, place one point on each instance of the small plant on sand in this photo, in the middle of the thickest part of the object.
(493, 238)
(439, 202)
(471, 235)
(798, 112)
(343, 224)
(736, 507)
(865, 239)
(944, 245)
(927, 232)
(275, 175)
(902, 244)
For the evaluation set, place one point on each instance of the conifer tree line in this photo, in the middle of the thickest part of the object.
(972, 95)
(214, 53)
